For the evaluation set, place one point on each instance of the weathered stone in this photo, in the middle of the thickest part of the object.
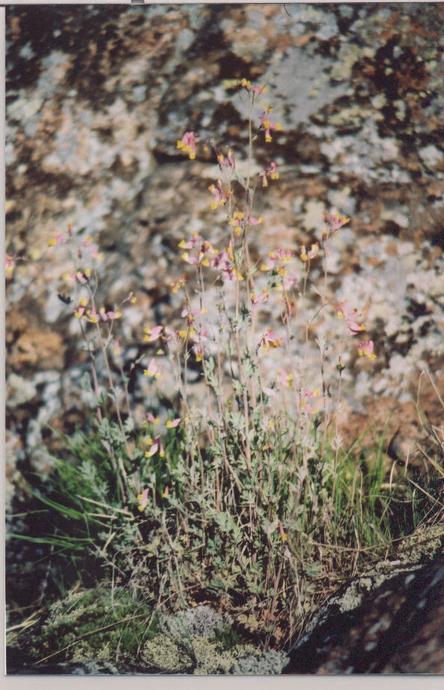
(19, 391)
(38, 348)
(96, 99)
(380, 623)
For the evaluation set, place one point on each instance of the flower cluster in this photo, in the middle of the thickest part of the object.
(366, 349)
(227, 162)
(270, 340)
(334, 221)
(177, 285)
(225, 264)
(154, 333)
(276, 260)
(239, 221)
(311, 254)
(268, 125)
(88, 312)
(354, 325)
(350, 317)
(252, 88)
(220, 195)
(309, 402)
(57, 240)
(277, 263)
(81, 276)
(188, 144)
(199, 251)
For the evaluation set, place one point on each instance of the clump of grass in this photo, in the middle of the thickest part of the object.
(249, 498)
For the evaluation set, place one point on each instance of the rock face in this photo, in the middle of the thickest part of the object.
(96, 99)
(380, 623)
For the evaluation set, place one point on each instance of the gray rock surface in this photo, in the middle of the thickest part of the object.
(96, 99)
(389, 620)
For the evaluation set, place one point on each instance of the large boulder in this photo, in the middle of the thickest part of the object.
(390, 620)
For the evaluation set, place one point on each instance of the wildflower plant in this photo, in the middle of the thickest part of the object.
(245, 494)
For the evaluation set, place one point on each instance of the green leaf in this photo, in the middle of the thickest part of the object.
(65, 510)
(75, 543)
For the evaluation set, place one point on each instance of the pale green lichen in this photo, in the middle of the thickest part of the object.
(200, 641)
(204, 656)
(164, 654)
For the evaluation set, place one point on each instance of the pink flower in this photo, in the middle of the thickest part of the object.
(142, 500)
(288, 282)
(155, 447)
(252, 220)
(190, 315)
(226, 162)
(311, 254)
(222, 263)
(199, 252)
(152, 334)
(152, 370)
(270, 340)
(109, 315)
(307, 401)
(269, 125)
(195, 241)
(57, 240)
(237, 222)
(220, 195)
(93, 316)
(188, 144)
(199, 351)
(336, 221)
(284, 379)
(151, 419)
(200, 339)
(81, 308)
(350, 316)
(270, 172)
(276, 258)
(254, 88)
(365, 349)
(81, 278)
(172, 423)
